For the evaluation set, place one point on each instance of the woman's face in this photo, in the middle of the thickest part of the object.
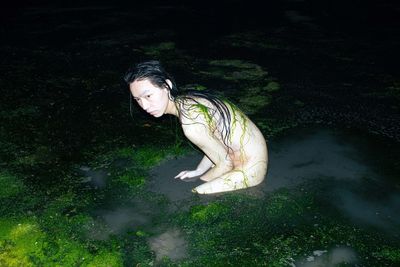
(153, 99)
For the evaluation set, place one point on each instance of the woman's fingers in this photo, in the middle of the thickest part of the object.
(186, 174)
(180, 175)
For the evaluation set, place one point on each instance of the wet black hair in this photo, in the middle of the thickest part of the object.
(218, 112)
(154, 72)
(185, 101)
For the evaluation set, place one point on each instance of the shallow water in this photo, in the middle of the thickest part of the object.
(169, 244)
(343, 168)
(163, 181)
(331, 258)
(339, 166)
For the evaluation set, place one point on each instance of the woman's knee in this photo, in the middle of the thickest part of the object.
(233, 180)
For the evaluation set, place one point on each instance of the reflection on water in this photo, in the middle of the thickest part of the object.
(381, 213)
(95, 178)
(323, 258)
(305, 156)
(115, 221)
(344, 167)
(169, 244)
(162, 178)
(121, 219)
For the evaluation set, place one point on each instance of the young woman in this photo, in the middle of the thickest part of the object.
(235, 151)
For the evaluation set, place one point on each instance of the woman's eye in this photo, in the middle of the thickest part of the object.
(148, 96)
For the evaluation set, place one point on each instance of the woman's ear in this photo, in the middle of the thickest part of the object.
(168, 81)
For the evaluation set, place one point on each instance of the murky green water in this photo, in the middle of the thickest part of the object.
(337, 169)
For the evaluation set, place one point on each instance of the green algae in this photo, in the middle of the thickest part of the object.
(394, 90)
(272, 87)
(283, 203)
(270, 231)
(106, 258)
(237, 224)
(152, 156)
(207, 213)
(299, 103)
(256, 98)
(24, 243)
(244, 126)
(141, 157)
(389, 254)
(40, 155)
(148, 157)
(273, 231)
(159, 49)
(254, 40)
(65, 215)
(251, 104)
(204, 110)
(10, 185)
(390, 89)
(19, 239)
(53, 237)
(272, 249)
(193, 86)
(132, 179)
(273, 127)
(234, 119)
(234, 70)
(222, 223)
(19, 113)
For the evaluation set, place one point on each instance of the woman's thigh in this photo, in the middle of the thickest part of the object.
(239, 178)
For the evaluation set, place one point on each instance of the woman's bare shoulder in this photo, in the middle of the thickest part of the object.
(195, 110)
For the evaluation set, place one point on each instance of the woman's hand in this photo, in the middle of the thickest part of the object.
(188, 174)
(203, 166)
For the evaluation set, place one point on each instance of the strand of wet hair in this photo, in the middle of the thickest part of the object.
(219, 107)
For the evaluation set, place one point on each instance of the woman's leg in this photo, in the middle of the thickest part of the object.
(234, 180)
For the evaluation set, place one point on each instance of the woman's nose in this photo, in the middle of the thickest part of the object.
(145, 104)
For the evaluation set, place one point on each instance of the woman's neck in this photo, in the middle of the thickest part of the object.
(172, 108)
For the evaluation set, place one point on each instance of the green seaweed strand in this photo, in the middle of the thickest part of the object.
(228, 181)
(244, 126)
(203, 109)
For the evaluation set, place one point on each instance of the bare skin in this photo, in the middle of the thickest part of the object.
(242, 165)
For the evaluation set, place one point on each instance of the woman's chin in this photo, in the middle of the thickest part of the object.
(157, 115)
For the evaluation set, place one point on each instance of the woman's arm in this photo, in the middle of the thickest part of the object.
(198, 128)
(213, 149)
(203, 166)
(217, 171)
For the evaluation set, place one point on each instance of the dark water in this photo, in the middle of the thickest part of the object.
(339, 167)
(348, 161)
(344, 168)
